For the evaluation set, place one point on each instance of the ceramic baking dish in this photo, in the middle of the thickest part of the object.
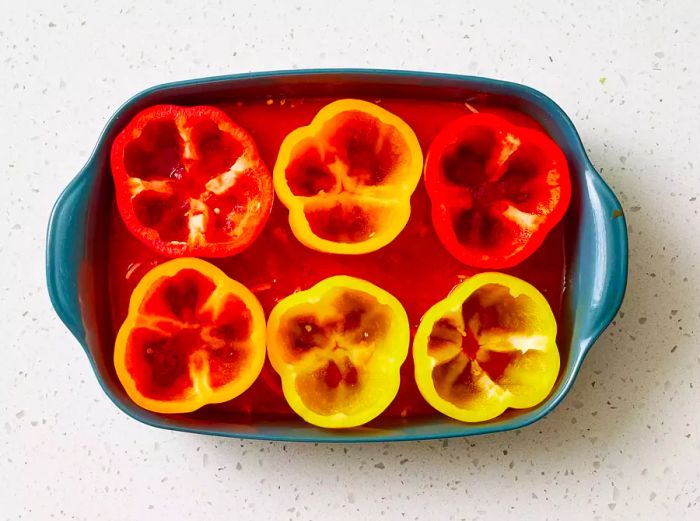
(595, 243)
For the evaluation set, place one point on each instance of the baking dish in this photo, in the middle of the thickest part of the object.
(595, 242)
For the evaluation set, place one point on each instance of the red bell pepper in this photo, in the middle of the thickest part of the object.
(190, 182)
(496, 189)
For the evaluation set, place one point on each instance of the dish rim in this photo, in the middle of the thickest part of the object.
(63, 285)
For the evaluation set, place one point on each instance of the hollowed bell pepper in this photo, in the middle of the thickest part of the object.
(347, 178)
(489, 345)
(189, 181)
(338, 348)
(192, 336)
(496, 189)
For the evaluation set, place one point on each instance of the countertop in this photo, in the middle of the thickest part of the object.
(624, 444)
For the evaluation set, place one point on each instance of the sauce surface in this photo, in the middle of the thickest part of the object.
(415, 267)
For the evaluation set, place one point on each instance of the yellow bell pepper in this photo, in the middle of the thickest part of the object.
(347, 177)
(338, 348)
(489, 345)
(192, 336)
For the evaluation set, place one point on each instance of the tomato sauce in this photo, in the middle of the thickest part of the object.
(415, 267)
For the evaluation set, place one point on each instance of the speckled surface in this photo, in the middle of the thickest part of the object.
(624, 444)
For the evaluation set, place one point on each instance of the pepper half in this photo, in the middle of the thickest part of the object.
(347, 178)
(192, 336)
(189, 181)
(338, 348)
(490, 345)
(496, 189)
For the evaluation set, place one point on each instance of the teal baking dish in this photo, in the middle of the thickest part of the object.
(595, 243)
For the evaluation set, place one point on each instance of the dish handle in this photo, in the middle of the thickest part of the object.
(603, 262)
(65, 250)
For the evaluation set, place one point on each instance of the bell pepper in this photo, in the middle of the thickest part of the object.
(489, 345)
(189, 181)
(192, 336)
(347, 177)
(496, 189)
(338, 348)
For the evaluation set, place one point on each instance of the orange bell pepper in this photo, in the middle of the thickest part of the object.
(338, 348)
(192, 336)
(347, 178)
(489, 345)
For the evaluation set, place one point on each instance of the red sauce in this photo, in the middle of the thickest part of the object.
(414, 267)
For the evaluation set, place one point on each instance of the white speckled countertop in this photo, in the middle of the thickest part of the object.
(624, 444)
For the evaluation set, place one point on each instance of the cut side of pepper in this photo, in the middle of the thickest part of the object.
(189, 181)
(347, 178)
(490, 345)
(338, 348)
(496, 189)
(192, 336)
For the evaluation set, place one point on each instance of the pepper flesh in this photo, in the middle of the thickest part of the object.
(338, 348)
(347, 177)
(496, 189)
(189, 181)
(192, 336)
(489, 345)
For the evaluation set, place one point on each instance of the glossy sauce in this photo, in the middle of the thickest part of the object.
(414, 267)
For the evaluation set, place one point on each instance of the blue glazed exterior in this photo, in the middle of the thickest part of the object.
(596, 275)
